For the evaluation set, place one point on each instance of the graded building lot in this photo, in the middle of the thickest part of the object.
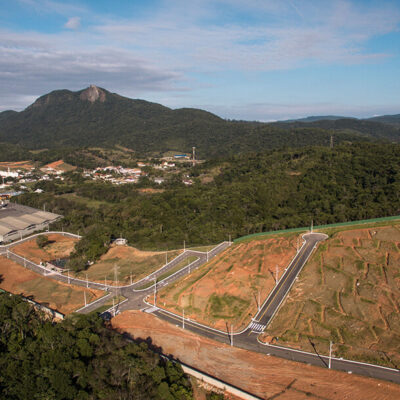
(54, 294)
(264, 376)
(4, 165)
(59, 247)
(127, 260)
(348, 293)
(227, 289)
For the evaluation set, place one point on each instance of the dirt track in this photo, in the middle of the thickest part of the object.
(265, 376)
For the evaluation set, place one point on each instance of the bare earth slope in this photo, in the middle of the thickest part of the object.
(229, 287)
(265, 376)
(349, 293)
(54, 294)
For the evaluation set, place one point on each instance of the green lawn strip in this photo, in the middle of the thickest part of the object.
(203, 248)
(139, 269)
(177, 267)
(332, 228)
(109, 303)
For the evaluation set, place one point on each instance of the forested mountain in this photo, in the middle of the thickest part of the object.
(350, 126)
(78, 359)
(314, 118)
(96, 117)
(248, 194)
(387, 119)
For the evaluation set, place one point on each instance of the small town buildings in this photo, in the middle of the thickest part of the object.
(9, 174)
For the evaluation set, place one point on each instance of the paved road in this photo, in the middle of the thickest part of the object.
(271, 305)
(246, 339)
(133, 292)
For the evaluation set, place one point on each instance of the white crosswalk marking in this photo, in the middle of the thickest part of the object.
(256, 327)
(150, 310)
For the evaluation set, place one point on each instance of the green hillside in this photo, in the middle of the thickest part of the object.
(248, 194)
(96, 117)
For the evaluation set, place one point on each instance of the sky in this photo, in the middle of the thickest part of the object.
(259, 60)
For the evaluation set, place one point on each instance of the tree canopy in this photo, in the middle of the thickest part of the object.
(78, 358)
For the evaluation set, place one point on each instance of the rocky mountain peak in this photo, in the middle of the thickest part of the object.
(92, 94)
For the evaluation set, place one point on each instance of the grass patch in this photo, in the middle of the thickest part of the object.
(168, 273)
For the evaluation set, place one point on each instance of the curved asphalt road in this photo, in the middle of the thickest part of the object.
(247, 339)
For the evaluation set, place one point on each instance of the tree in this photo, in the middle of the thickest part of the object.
(42, 241)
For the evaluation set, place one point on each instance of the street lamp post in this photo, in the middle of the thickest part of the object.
(330, 354)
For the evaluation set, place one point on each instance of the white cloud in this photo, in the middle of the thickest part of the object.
(161, 52)
(73, 23)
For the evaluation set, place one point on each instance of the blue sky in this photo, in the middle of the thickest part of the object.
(255, 59)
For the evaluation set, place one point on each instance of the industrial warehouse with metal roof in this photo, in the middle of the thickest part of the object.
(17, 221)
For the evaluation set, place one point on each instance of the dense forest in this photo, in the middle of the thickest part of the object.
(78, 358)
(67, 119)
(247, 194)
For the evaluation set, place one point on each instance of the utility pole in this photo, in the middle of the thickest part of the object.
(207, 255)
(194, 156)
(298, 240)
(131, 278)
(87, 281)
(84, 294)
(276, 274)
(330, 354)
(155, 291)
(116, 280)
(68, 276)
(105, 281)
(166, 257)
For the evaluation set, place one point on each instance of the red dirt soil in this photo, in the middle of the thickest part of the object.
(265, 376)
(56, 295)
(16, 165)
(60, 247)
(240, 271)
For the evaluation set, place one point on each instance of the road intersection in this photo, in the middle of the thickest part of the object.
(247, 339)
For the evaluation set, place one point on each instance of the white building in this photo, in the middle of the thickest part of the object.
(9, 174)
